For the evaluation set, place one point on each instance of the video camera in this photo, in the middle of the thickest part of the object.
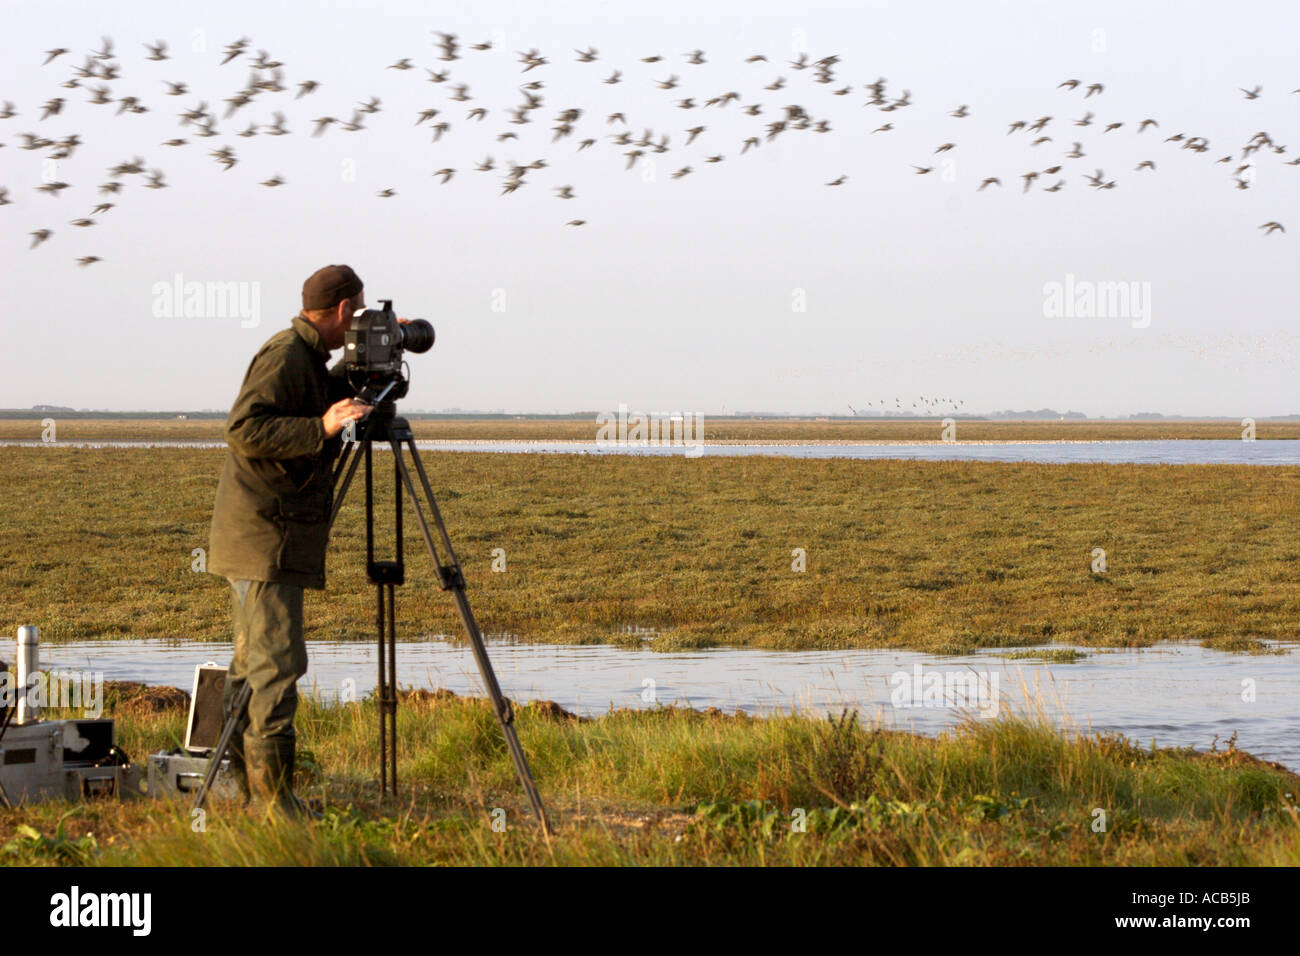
(373, 347)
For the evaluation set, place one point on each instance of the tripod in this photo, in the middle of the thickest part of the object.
(382, 425)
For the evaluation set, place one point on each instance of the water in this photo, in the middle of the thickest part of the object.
(1175, 694)
(1151, 452)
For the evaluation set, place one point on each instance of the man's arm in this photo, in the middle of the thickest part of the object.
(258, 427)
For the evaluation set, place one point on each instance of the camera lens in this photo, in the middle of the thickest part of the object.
(417, 335)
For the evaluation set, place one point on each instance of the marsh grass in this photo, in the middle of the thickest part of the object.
(941, 557)
(680, 787)
(1053, 655)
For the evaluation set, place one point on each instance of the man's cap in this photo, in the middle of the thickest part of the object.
(329, 286)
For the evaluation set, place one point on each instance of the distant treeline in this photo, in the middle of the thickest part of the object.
(43, 411)
(46, 410)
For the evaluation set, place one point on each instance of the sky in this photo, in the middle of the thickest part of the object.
(744, 284)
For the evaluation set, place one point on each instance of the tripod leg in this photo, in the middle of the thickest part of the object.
(381, 695)
(386, 688)
(347, 481)
(342, 463)
(453, 580)
(390, 711)
(223, 744)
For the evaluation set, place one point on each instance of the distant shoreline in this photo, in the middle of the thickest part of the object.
(711, 431)
(575, 442)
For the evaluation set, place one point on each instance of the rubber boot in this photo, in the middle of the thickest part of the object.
(270, 774)
(239, 768)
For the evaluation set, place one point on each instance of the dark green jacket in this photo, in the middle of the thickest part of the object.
(271, 519)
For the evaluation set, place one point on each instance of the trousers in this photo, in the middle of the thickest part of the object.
(270, 656)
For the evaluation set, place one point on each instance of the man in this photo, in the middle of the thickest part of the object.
(270, 524)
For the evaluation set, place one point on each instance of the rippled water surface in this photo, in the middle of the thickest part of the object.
(1174, 694)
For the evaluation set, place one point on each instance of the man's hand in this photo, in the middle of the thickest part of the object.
(343, 413)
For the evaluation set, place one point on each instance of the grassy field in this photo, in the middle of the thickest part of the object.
(715, 430)
(680, 787)
(933, 556)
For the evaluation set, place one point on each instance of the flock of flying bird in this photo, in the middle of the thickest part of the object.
(266, 82)
(926, 406)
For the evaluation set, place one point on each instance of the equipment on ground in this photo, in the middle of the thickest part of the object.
(59, 759)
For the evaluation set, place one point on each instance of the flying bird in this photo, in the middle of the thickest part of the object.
(533, 59)
(235, 49)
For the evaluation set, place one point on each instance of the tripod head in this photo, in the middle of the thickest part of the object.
(378, 425)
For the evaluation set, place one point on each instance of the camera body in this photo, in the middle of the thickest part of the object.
(373, 349)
